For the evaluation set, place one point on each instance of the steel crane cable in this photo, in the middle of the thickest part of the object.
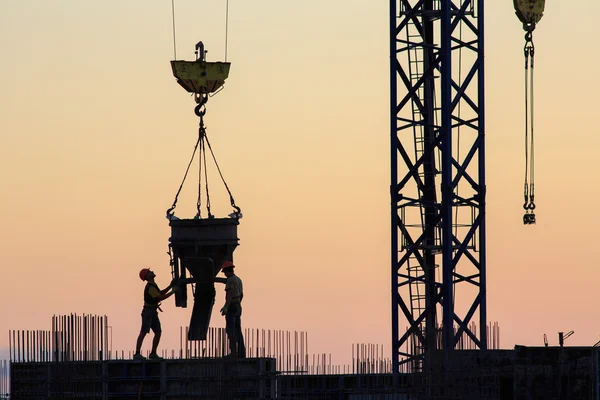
(200, 153)
(170, 210)
(231, 199)
(200, 110)
(532, 148)
(201, 171)
(202, 162)
(226, 27)
(201, 144)
(529, 13)
(526, 185)
(529, 184)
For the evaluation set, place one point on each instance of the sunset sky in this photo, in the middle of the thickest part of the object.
(95, 135)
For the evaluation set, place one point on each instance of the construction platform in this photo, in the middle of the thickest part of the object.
(181, 379)
(549, 373)
(174, 379)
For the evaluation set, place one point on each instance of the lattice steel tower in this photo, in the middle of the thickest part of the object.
(437, 177)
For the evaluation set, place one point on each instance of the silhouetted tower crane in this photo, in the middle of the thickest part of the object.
(437, 177)
(438, 171)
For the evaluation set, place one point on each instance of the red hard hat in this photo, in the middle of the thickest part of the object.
(227, 264)
(143, 273)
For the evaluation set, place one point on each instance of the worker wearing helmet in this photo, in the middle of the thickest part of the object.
(152, 298)
(232, 310)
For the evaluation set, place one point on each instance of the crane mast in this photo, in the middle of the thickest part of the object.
(437, 178)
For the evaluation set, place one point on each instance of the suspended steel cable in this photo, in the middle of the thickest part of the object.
(170, 210)
(199, 199)
(200, 147)
(526, 184)
(206, 176)
(528, 187)
(232, 201)
(226, 27)
(532, 148)
(529, 12)
(174, 45)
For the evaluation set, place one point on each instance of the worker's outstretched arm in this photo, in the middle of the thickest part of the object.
(161, 295)
(164, 296)
(166, 290)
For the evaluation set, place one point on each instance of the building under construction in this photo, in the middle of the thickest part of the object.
(440, 349)
(74, 360)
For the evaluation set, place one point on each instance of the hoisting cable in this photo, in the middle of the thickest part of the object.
(170, 210)
(528, 188)
(206, 175)
(532, 148)
(238, 211)
(226, 27)
(201, 139)
(200, 147)
(529, 12)
(526, 184)
(174, 41)
(200, 111)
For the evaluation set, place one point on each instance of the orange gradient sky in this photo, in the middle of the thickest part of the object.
(96, 134)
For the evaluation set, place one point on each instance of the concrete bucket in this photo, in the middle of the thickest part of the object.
(199, 248)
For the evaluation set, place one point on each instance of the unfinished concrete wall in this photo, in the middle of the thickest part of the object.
(555, 373)
(252, 378)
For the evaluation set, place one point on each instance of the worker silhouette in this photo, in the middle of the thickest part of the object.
(232, 310)
(152, 298)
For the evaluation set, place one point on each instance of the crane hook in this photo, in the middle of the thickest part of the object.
(200, 109)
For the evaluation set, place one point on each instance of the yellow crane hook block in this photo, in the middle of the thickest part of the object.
(200, 77)
(530, 12)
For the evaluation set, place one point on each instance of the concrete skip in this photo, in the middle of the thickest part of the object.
(199, 247)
